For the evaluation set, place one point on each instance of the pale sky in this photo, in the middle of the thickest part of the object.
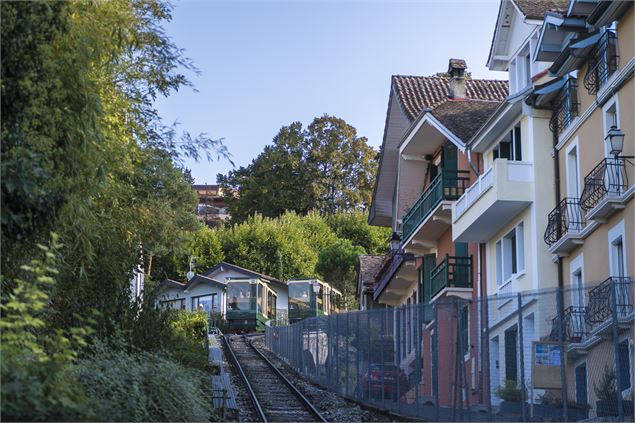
(265, 64)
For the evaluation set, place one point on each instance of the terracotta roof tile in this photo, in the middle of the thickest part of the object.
(463, 118)
(368, 268)
(536, 9)
(417, 93)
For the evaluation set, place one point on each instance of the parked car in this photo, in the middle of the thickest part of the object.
(394, 381)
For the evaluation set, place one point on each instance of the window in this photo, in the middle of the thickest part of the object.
(611, 118)
(510, 255)
(177, 304)
(510, 147)
(625, 365)
(617, 254)
(573, 173)
(204, 303)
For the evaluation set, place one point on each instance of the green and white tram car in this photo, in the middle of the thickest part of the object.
(250, 303)
(312, 298)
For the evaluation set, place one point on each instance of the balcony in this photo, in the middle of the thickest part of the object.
(565, 227)
(453, 276)
(606, 189)
(574, 325)
(566, 107)
(585, 326)
(428, 218)
(603, 61)
(499, 194)
(395, 278)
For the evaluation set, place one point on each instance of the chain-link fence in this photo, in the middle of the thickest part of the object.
(532, 356)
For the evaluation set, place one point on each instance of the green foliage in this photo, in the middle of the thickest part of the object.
(337, 264)
(36, 382)
(510, 391)
(142, 386)
(354, 226)
(325, 167)
(607, 389)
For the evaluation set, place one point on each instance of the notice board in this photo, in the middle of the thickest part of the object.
(545, 365)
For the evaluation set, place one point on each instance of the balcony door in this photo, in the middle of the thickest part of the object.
(449, 164)
(574, 221)
(511, 354)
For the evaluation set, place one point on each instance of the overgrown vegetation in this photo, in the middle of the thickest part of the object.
(85, 155)
(291, 246)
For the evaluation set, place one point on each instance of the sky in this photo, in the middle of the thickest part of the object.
(266, 64)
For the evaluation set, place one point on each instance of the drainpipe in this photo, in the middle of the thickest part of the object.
(556, 172)
(468, 153)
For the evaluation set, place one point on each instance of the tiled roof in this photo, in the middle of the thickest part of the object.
(463, 118)
(417, 93)
(536, 9)
(368, 268)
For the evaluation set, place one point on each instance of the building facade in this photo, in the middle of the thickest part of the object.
(212, 207)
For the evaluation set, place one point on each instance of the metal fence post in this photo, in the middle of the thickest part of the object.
(563, 375)
(521, 353)
(357, 353)
(347, 347)
(382, 332)
(486, 358)
(435, 358)
(616, 350)
(317, 348)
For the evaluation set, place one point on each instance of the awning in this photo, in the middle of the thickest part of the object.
(587, 41)
(545, 93)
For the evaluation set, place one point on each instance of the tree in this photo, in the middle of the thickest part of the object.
(354, 226)
(337, 264)
(325, 167)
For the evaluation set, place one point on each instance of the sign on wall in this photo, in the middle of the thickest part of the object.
(545, 365)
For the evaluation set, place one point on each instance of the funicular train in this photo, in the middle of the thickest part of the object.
(312, 298)
(250, 303)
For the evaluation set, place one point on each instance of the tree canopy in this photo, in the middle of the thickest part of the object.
(326, 167)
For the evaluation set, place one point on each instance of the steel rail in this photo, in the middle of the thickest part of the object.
(290, 384)
(252, 394)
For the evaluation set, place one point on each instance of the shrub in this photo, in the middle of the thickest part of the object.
(142, 386)
(608, 387)
(509, 391)
(36, 380)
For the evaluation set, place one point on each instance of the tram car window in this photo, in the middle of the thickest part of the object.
(250, 303)
(309, 298)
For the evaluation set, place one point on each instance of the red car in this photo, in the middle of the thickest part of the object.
(395, 381)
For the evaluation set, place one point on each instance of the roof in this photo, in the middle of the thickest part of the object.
(204, 279)
(416, 93)
(536, 9)
(368, 268)
(173, 284)
(452, 115)
(245, 271)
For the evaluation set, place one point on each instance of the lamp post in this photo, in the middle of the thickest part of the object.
(615, 137)
(395, 241)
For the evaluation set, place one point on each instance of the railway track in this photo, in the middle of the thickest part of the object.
(273, 396)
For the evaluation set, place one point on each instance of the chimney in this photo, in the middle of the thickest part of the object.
(456, 69)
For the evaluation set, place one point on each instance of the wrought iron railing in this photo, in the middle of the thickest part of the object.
(603, 61)
(451, 272)
(602, 302)
(607, 178)
(566, 107)
(567, 216)
(574, 325)
(448, 185)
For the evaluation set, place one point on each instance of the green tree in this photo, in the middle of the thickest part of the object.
(337, 265)
(325, 167)
(354, 227)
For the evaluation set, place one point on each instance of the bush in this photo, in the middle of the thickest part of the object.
(142, 386)
(187, 339)
(509, 391)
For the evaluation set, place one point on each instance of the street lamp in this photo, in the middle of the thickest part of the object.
(616, 139)
(395, 241)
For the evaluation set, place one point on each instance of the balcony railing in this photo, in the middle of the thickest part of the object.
(567, 216)
(603, 61)
(453, 272)
(566, 107)
(448, 185)
(574, 325)
(607, 178)
(601, 302)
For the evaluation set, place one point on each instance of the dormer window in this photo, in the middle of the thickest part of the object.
(510, 147)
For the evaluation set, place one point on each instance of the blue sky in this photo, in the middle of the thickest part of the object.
(265, 64)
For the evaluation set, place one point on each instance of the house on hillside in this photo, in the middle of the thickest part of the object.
(212, 207)
(424, 168)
